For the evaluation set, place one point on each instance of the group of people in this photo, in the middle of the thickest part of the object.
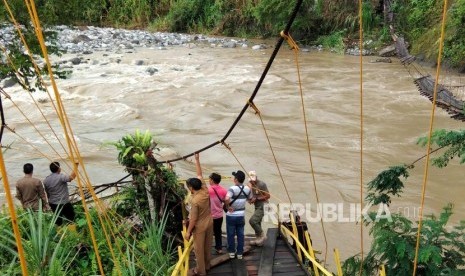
(207, 206)
(52, 193)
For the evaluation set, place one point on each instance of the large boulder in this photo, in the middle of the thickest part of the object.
(81, 38)
(388, 51)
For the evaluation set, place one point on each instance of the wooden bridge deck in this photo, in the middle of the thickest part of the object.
(275, 257)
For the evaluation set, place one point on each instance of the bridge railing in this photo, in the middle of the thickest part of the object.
(304, 252)
(291, 232)
(182, 266)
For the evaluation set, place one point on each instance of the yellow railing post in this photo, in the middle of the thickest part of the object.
(311, 252)
(298, 244)
(294, 230)
(382, 271)
(181, 268)
(337, 259)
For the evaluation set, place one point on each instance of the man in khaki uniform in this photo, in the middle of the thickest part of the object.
(200, 221)
(29, 190)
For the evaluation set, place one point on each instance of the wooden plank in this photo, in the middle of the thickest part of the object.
(287, 268)
(266, 268)
(226, 268)
(225, 257)
(289, 274)
(238, 268)
(292, 253)
(285, 261)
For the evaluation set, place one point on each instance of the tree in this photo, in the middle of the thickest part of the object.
(160, 185)
(21, 54)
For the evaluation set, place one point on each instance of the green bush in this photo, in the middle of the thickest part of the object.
(273, 15)
(454, 45)
(185, 15)
(370, 20)
(333, 41)
(130, 13)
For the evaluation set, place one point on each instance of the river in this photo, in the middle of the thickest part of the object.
(195, 95)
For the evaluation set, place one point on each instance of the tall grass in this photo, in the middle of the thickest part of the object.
(130, 13)
(45, 251)
(155, 249)
(57, 251)
(370, 20)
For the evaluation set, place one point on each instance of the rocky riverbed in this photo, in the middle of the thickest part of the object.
(86, 40)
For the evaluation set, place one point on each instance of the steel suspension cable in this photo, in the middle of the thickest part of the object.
(257, 87)
(360, 5)
(430, 133)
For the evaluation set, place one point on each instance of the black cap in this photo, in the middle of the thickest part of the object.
(239, 175)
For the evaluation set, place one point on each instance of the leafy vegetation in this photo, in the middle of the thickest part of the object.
(387, 183)
(453, 141)
(441, 252)
(155, 188)
(18, 61)
(334, 41)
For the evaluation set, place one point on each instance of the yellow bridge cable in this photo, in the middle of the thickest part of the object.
(430, 133)
(14, 221)
(61, 113)
(29, 121)
(360, 14)
(257, 111)
(295, 49)
(36, 68)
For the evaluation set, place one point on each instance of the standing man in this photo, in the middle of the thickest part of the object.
(235, 200)
(56, 186)
(200, 221)
(217, 195)
(260, 197)
(29, 190)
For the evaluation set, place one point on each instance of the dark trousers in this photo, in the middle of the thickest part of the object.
(217, 232)
(63, 211)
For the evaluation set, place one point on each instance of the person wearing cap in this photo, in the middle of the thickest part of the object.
(235, 200)
(30, 191)
(200, 221)
(56, 186)
(260, 197)
(217, 195)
